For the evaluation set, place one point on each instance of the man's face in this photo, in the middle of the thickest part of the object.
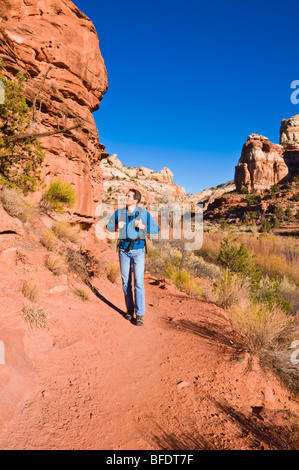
(130, 198)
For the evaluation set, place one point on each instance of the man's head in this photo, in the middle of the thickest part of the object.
(133, 197)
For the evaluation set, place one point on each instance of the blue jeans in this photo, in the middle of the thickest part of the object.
(136, 259)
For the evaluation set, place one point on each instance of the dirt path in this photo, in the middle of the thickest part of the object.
(95, 381)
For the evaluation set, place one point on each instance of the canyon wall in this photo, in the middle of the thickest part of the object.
(57, 48)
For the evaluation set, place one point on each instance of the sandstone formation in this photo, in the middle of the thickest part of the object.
(264, 163)
(36, 35)
(155, 186)
(289, 138)
(261, 164)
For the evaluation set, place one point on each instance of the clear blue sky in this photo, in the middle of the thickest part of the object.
(190, 80)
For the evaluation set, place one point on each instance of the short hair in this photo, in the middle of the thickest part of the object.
(137, 194)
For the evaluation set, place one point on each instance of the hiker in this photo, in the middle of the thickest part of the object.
(133, 224)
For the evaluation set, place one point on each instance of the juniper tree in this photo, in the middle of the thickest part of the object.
(20, 156)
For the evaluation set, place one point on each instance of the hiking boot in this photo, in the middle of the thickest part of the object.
(129, 315)
(139, 320)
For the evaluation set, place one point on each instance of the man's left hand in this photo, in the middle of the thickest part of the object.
(139, 225)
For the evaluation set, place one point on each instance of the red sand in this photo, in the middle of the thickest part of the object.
(93, 380)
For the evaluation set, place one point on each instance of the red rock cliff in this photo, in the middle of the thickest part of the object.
(37, 34)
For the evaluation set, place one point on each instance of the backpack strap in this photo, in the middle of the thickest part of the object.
(121, 243)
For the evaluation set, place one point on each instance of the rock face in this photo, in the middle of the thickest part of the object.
(155, 186)
(207, 196)
(261, 164)
(289, 138)
(36, 35)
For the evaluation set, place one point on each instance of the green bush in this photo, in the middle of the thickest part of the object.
(20, 158)
(58, 195)
(237, 260)
(265, 227)
(252, 198)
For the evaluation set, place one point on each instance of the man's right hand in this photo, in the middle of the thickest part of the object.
(121, 224)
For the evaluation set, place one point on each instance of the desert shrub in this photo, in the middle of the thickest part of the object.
(261, 327)
(30, 289)
(249, 216)
(56, 263)
(49, 240)
(279, 212)
(183, 280)
(224, 225)
(237, 259)
(113, 271)
(274, 189)
(77, 262)
(199, 267)
(35, 317)
(276, 223)
(252, 198)
(17, 206)
(265, 227)
(152, 252)
(288, 214)
(228, 290)
(66, 231)
(58, 196)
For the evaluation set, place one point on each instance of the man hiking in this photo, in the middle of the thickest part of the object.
(133, 224)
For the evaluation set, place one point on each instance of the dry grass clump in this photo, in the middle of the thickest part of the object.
(35, 317)
(77, 262)
(183, 280)
(66, 231)
(49, 240)
(277, 266)
(82, 294)
(261, 327)
(228, 290)
(17, 206)
(113, 271)
(210, 246)
(56, 263)
(199, 267)
(30, 289)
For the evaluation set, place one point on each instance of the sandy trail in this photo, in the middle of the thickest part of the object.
(93, 380)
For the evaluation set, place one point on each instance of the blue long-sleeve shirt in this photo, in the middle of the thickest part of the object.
(129, 231)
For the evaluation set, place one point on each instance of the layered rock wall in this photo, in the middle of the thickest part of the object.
(263, 163)
(36, 35)
(155, 186)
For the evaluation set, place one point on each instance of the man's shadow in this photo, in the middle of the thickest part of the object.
(103, 299)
